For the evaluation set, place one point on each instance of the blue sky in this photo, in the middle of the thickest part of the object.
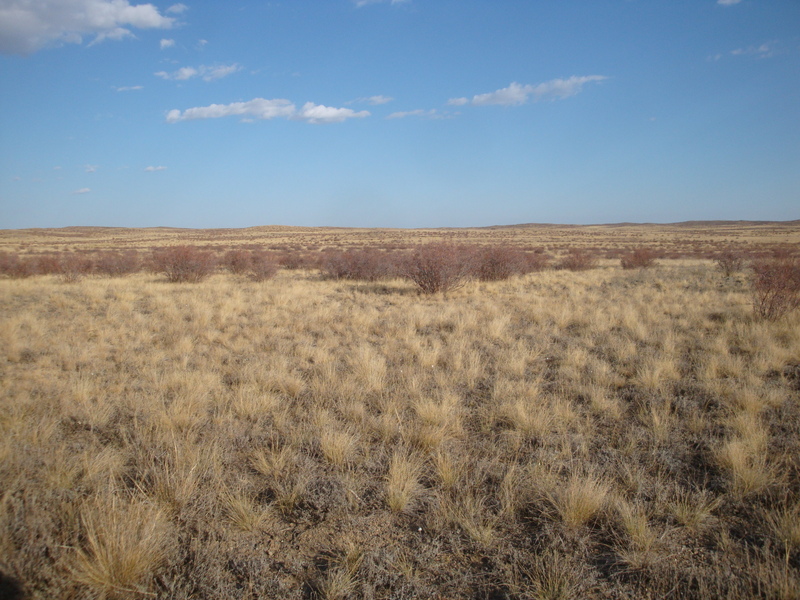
(387, 113)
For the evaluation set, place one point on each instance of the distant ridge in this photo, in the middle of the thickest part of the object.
(632, 224)
(97, 229)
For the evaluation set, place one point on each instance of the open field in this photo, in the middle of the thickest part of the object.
(684, 239)
(604, 433)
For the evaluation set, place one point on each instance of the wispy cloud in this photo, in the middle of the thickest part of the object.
(765, 50)
(429, 114)
(82, 191)
(90, 168)
(177, 9)
(728, 2)
(207, 72)
(128, 88)
(29, 26)
(373, 100)
(116, 34)
(360, 3)
(263, 109)
(165, 43)
(153, 169)
(517, 94)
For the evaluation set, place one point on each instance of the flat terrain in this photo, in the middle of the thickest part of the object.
(680, 238)
(605, 433)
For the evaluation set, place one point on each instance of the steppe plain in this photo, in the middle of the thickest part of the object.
(603, 433)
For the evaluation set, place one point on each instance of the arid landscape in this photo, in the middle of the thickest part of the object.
(522, 412)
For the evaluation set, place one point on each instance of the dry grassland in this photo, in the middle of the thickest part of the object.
(600, 434)
(690, 238)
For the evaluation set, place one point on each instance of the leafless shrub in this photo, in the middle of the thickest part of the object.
(578, 260)
(640, 258)
(183, 263)
(71, 266)
(495, 263)
(47, 264)
(729, 262)
(776, 287)
(11, 265)
(536, 261)
(256, 264)
(262, 266)
(294, 259)
(237, 261)
(117, 264)
(438, 267)
(369, 264)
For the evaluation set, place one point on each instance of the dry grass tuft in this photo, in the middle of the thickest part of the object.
(579, 499)
(695, 511)
(126, 542)
(784, 524)
(402, 482)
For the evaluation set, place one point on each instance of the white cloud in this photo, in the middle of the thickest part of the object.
(728, 2)
(90, 168)
(177, 9)
(263, 109)
(129, 88)
(258, 108)
(165, 43)
(30, 25)
(319, 113)
(207, 72)
(431, 114)
(152, 169)
(517, 94)
(82, 191)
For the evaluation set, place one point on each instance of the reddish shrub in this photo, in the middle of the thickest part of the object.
(237, 261)
(73, 265)
(776, 287)
(294, 259)
(578, 260)
(183, 263)
(536, 261)
(47, 264)
(117, 264)
(438, 267)
(263, 266)
(729, 262)
(640, 258)
(495, 263)
(11, 265)
(368, 264)
(256, 264)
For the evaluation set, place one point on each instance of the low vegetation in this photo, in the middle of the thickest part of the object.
(430, 432)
